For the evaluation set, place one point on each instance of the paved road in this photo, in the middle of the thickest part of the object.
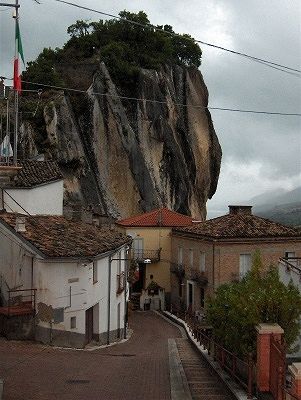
(135, 370)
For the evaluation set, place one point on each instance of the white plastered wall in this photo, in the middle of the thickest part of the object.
(45, 199)
(54, 279)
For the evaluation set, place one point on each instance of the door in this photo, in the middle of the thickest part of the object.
(139, 284)
(118, 321)
(189, 296)
(89, 325)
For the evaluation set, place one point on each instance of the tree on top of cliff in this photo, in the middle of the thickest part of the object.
(124, 48)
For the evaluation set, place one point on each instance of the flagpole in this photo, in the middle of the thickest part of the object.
(16, 91)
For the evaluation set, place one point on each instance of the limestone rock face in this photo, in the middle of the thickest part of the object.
(126, 156)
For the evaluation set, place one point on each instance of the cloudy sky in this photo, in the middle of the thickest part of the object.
(260, 152)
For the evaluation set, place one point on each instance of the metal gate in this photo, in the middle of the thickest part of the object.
(277, 368)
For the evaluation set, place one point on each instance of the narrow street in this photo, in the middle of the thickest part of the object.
(137, 369)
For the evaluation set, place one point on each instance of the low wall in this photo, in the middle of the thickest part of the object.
(21, 327)
(62, 338)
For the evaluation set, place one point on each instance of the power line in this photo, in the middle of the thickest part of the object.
(263, 61)
(201, 107)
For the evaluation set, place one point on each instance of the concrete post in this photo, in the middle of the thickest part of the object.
(264, 333)
(295, 370)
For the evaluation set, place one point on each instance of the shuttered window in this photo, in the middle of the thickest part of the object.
(244, 264)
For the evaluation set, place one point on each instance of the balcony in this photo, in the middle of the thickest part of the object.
(198, 276)
(141, 255)
(120, 284)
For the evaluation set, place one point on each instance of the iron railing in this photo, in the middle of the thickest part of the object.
(288, 390)
(242, 371)
(21, 298)
(142, 255)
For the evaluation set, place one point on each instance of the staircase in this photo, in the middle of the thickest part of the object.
(204, 383)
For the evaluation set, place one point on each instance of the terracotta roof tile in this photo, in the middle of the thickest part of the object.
(158, 217)
(35, 173)
(55, 236)
(240, 226)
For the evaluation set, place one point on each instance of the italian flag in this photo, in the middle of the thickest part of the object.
(19, 52)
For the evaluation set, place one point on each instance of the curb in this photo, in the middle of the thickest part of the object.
(234, 388)
(179, 388)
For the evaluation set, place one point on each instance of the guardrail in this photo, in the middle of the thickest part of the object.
(242, 371)
(18, 297)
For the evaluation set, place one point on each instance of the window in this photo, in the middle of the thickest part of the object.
(73, 322)
(180, 255)
(289, 254)
(190, 295)
(244, 264)
(95, 275)
(191, 257)
(202, 261)
(138, 247)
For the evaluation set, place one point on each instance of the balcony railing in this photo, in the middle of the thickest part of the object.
(120, 285)
(142, 255)
(20, 302)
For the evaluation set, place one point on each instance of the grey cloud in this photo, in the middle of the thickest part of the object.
(268, 30)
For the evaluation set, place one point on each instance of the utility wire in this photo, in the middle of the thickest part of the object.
(263, 61)
(201, 107)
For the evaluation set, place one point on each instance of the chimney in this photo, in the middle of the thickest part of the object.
(245, 210)
(20, 224)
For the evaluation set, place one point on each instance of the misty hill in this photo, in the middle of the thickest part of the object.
(279, 205)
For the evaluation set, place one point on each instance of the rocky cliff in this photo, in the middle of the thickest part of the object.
(125, 156)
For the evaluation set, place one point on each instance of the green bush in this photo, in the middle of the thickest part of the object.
(260, 297)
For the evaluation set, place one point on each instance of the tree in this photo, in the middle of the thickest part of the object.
(260, 297)
(124, 47)
(43, 70)
(80, 28)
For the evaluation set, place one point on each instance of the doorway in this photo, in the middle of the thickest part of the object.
(89, 325)
(190, 296)
(118, 321)
(139, 284)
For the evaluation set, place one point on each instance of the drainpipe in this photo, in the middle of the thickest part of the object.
(31, 272)
(2, 200)
(109, 299)
(125, 317)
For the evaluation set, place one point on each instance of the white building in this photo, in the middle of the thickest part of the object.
(77, 273)
(35, 187)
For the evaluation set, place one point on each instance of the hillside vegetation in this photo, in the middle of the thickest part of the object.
(123, 47)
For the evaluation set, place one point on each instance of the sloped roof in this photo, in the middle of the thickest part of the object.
(159, 217)
(239, 226)
(55, 236)
(34, 173)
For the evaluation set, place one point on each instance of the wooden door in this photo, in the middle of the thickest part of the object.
(89, 325)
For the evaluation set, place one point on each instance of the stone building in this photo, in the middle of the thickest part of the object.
(220, 250)
(151, 252)
(61, 282)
